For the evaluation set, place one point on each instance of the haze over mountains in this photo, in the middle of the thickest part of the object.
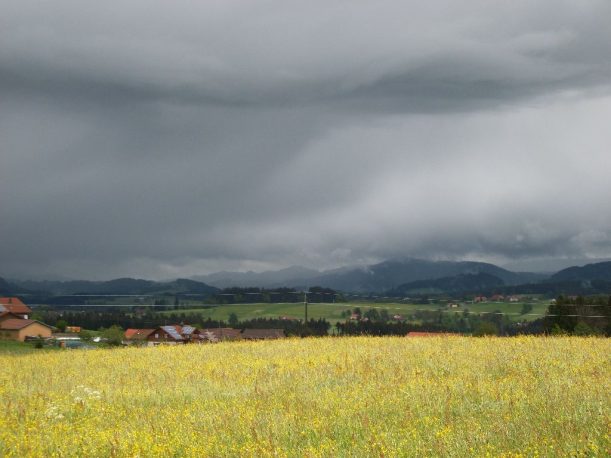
(397, 277)
(377, 277)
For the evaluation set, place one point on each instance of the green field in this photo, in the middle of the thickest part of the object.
(8, 347)
(333, 312)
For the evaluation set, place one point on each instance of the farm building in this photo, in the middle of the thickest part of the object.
(19, 329)
(15, 306)
(430, 334)
(219, 334)
(167, 335)
(137, 334)
(262, 334)
(8, 316)
(188, 333)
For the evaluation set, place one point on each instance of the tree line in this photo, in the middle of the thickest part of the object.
(579, 315)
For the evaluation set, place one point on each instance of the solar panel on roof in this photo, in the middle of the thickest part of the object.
(188, 330)
(172, 331)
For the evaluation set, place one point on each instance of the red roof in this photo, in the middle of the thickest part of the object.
(13, 305)
(15, 324)
(11, 300)
(132, 334)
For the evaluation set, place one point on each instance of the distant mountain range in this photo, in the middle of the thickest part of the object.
(400, 277)
(118, 286)
(290, 276)
(379, 277)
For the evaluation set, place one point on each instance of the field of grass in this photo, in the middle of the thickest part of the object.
(10, 347)
(360, 396)
(333, 312)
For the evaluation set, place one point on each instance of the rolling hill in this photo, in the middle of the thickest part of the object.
(462, 283)
(589, 272)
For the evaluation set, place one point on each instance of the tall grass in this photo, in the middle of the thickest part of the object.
(450, 396)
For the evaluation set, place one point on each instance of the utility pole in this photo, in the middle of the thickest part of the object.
(305, 304)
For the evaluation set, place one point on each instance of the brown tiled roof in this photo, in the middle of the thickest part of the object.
(136, 334)
(263, 333)
(14, 305)
(15, 324)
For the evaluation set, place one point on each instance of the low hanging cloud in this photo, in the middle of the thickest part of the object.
(164, 139)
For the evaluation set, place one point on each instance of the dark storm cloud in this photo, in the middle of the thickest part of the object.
(174, 138)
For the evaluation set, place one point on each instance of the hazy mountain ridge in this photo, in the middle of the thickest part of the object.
(401, 276)
(116, 286)
(589, 272)
(290, 276)
(380, 277)
(390, 274)
(461, 283)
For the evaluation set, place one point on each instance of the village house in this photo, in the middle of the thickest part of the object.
(180, 334)
(15, 306)
(19, 329)
(15, 323)
(188, 333)
(262, 334)
(8, 316)
(288, 318)
(137, 335)
(170, 335)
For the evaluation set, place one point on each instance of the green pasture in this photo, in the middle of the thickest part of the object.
(333, 312)
(21, 348)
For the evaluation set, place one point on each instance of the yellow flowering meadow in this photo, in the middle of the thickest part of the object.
(361, 396)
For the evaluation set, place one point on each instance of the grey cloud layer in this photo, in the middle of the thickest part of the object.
(171, 138)
(287, 52)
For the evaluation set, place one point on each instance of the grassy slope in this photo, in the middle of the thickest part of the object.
(332, 312)
(359, 396)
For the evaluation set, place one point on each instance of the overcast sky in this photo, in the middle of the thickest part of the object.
(161, 139)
